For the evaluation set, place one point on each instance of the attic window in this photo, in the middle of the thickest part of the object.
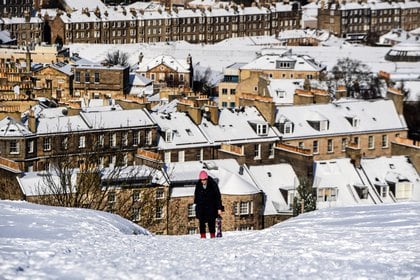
(281, 93)
(262, 129)
(168, 135)
(321, 125)
(354, 121)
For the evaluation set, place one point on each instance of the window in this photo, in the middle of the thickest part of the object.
(14, 147)
(344, 143)
(371, 142)
(82, 142)
(327, 194)
(31, 146)
(271, 153)
(192, 230)
(181, 156)
(167, 157)
(224, 91)
(113, 140)
(232, 91)
(330, 146)
(404, 190)
(149, 137)
(77, 77)
(356, 122)
(288, 128)
(125, 139)
(385, 141)
(160, 194)
(159, 212)
(262, 129)
(135, 214)
(97, 77)
(136, 138)
(47, 144)
(191, 210)
(87, 77)
(243, 208)
(301, 145)
(112, 197)
(315, 147)
(101, 140)
(168, 135)
(356, 141)
(257, 151)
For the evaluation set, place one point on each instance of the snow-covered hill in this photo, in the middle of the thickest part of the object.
(364, 242)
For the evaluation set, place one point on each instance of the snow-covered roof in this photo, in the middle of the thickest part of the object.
(95, 119)
(137, 80)
(5, 37)
(283, 90)
(183, 132)
(268, 62)
(225, 171)
(20, 20)
(42, 183)
(392, 169)
(135, 171)
(167, 60)
(235, 127)
(63, 67)
(272, 179)
(117, 119)
(81, 4)
(378, 115)
(339, 174)
(9, 127)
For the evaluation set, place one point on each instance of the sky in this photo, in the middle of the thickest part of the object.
(360, 242)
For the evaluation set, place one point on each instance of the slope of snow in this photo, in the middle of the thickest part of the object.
(363, 242)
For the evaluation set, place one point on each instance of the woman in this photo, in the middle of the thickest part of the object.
(208, 203)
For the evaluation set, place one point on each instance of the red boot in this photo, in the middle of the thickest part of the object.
(212, 235)
(203, 235)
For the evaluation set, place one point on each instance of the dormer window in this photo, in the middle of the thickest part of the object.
(168, 135)
(354, 121)
(262, 129)
(281, 93)
(288, 128)
(321, 125)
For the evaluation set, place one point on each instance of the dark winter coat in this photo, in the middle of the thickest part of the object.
(207, 201)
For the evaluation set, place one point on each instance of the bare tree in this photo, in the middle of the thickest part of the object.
(355, 75)
(116, 58)
(83, 179)
(202, 80)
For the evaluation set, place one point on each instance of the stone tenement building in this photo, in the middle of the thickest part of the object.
(15, 8)
(355, 20)
(118, 25)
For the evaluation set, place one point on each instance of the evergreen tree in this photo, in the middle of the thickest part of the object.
(306, 195)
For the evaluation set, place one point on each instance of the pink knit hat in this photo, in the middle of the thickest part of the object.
(203, 175)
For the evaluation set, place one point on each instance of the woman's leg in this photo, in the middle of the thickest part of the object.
(202, 228)
(212, 227)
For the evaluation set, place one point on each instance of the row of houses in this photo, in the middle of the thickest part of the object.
(154, 24)
(255, 197)
(357, 20)
(150, 22)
